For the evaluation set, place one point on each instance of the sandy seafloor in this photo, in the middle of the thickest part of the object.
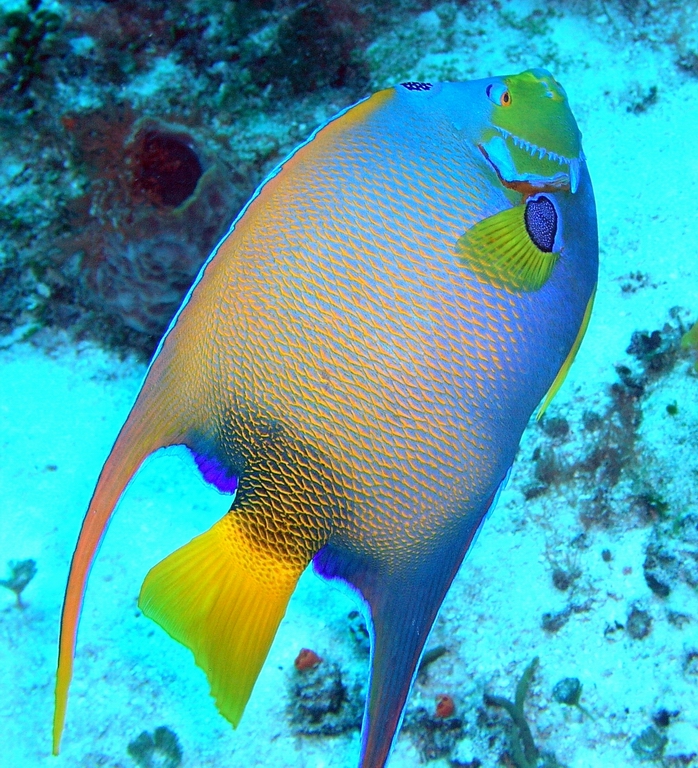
(61, 407)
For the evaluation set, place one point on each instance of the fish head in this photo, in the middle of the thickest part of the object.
(531, 138)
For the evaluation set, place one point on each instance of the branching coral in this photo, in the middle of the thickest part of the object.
(27, 35)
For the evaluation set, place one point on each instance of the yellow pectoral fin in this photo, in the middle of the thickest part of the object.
(514, 247)
(224, 599)
(562, 373)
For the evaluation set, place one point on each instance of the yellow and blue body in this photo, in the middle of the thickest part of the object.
(355, 365)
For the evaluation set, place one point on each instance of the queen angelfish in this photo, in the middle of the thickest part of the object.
(355, 364)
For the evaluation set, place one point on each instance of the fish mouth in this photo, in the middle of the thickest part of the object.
(497, 151)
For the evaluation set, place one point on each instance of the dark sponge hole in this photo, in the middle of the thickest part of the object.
(166, 168)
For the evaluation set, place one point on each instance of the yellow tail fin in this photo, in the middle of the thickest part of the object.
(222, 597)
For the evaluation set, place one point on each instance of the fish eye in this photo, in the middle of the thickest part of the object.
(499, 94)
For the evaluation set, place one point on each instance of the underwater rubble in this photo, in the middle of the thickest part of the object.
(221, 90)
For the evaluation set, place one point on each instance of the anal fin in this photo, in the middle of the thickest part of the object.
(403, 605)
(562, 373)
(223, 598)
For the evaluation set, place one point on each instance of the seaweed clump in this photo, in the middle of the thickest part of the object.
(21, 573)
(672, 554)
(638, 624)
(524, 752)
(159, 750)
(644, 102)
(650, 744)
(569, 691)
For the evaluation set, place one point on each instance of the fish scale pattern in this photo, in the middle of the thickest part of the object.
(350, 327)
(362, 381)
